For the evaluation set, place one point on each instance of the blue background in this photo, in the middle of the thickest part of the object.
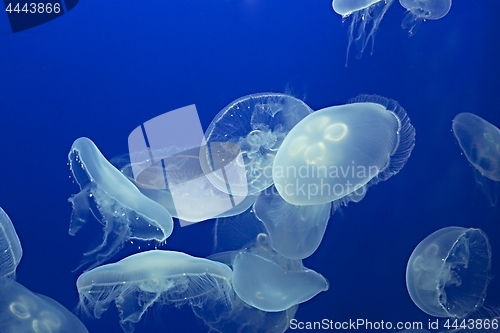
(107, 66)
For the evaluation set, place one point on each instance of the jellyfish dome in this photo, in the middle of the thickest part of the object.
(448, 272)
(10, 247)
(421, 10)
(257, 124)
(366, 17)
(480, 142)
(123, 210)
(336, 153)
(143, 279)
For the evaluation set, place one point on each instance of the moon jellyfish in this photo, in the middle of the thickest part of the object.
(366, 17)
(140, 280)
(421, 10)
(480, 142)
(10, 247)
(257, 125)
(336, 153)
(270, 282)
(295, 231)
(237, 316)
(448, 272)
(123, 210)
(24, 311)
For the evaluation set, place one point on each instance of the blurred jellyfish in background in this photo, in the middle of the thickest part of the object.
(121, 208)
(257, 124)
(139, 281)
(336, 153)
(10, 247)
(449, 271)
(480, 142)
(20, 309)
(366, 17)
(295, 232)
(422, 10)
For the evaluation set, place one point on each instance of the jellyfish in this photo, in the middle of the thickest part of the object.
(336, 153)
(238, 316)
(421, 10)
(480, 142)
(24, 311)
(123, 210)
(295, 232)
(270, 282)
(257, 125)
(10, 247)
(448, 272)
(366, 17)
(137, 282)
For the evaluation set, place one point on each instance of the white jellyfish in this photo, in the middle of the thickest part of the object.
(366, 16)
(336, 153)
(422, 10)
(139, 281)
(257, 125)
(115, 201)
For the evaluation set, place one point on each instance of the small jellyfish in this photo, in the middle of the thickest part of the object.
(480, 142)
(141, 280)
(422, 10)
(123, 210)
(366, 17)
(24, 311)
(448, 272)
(336, 153)
(10, 247)
(257, 125)
(270, 282)
(295, 232)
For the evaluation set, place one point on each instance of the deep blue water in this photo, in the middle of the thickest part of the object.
(107, 66)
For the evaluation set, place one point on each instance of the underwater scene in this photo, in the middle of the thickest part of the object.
(249, 166)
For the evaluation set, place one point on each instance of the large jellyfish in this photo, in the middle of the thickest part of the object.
(140, 280)
(366, 17)
(336, 153)
(10, 247)
(123, 210)
(295, 231)
(448, 272)
(480, 142)
(20, 309)
(421, 10)
(257, 124)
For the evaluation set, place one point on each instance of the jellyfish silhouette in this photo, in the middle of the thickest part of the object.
(336, 153)
(448, 272)
(422, 10)
(122, 209)
(366, 16)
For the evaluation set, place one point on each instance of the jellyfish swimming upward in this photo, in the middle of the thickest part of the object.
(366, 16)
(422, 10)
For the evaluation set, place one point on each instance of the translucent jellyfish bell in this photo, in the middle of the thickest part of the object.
(24, 311)
(257, 124)
(480, 142)
(140, 280)
(10, 247)
(336, 153)
(123, 210)
(421, 10)
(448, 272)
(295, 232)
(366, 17)
(270, 282)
